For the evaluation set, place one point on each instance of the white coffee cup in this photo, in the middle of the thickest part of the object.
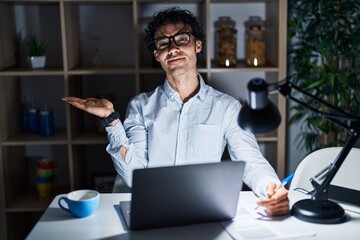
(80, 203)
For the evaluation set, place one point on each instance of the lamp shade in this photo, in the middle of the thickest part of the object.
(259, 115)
(259, 121)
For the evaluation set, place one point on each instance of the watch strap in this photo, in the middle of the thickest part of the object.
(106, 121)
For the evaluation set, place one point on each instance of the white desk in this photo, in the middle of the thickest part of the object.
(107, 223)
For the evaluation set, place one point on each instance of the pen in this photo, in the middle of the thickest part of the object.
(285, 181)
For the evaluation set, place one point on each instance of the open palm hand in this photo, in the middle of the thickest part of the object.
(98, 107)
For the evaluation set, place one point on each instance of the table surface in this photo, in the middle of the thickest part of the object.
(107, 223)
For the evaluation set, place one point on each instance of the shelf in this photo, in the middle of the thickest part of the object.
(23, 139)
(101, 70)
(30, 202)
(271, 137)
(242, 67)
(24, 71)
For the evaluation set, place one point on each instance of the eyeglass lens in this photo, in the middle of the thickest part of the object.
(180, 39)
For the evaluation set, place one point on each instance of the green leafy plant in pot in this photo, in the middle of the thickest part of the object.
(324, 52)
(36, 50)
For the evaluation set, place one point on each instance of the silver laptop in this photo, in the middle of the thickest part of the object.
(183, 195)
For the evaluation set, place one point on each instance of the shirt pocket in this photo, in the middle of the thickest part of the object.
(205, 140)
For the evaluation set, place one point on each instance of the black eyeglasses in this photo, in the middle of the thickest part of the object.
(180, 39)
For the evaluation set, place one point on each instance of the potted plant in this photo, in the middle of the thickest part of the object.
(36, 50)
(324, 47)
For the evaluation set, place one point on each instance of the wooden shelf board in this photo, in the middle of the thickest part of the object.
(30, 202)
(22, 138)
(102, 70)
(242, 67)
(25, 71)
(271, 137)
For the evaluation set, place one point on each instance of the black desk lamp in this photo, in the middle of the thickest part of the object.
(260, 116)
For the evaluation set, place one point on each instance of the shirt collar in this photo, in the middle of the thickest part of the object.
(172, 94)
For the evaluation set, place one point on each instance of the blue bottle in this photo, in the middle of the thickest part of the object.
(46, 123)
(33, 120)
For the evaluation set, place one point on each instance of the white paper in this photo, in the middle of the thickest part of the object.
(251, 223)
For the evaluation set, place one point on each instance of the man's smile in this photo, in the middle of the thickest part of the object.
(175, 59)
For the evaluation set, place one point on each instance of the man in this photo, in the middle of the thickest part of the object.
(183, 121)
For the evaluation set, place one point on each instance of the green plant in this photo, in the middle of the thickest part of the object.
(324, 52)
(35, 47)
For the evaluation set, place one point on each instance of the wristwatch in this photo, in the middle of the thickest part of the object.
(105, 122)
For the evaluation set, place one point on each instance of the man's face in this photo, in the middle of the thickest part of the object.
(177, 60)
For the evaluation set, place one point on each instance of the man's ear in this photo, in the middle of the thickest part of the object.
(198, 46)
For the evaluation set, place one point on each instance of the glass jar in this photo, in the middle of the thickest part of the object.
(226, 42)
(255, 42)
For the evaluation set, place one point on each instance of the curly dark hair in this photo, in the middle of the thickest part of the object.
(173, 15)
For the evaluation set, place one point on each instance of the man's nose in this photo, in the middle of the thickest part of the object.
(172, 45)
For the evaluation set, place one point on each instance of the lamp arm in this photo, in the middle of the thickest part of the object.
(322, 180)
(331, 116)
(285, 87)
(321, 188)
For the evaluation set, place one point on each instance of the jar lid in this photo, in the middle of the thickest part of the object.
(254, 22)
(225, 21)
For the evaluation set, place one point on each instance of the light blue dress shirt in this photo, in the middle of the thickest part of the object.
(161, 130)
